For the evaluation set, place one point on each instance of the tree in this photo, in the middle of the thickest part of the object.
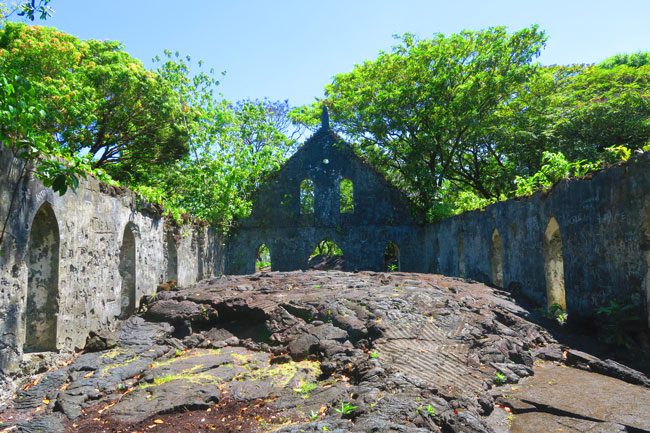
(641, 58)
(426, 112)
(265, 121)
(28, 9)
(602, 107)
(233, 147)
(457, 121)
(96, 99)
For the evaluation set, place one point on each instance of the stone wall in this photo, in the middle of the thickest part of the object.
(78, 262)
(377, 215)
(582, 244)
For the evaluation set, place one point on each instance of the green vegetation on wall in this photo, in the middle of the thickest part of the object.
(461, 121)
(455, 121)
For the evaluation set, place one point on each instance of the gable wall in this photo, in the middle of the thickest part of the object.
(380, 214)
(601, 222)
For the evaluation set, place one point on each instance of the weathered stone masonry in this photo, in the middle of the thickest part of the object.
(580, 245)
(76, 263)
(380, 214)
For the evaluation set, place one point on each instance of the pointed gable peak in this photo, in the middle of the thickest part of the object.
(325, 118)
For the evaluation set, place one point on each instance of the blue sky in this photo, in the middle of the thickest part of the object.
(291, 49)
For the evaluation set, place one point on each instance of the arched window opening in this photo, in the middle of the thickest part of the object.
(42, 282)
(461, 254)
(171, 274)
(127, 270)
(645, 249)
(307, 197)
(391, 257)
(497, 259)
(326, 256)
(554, 267)
(346, 194)
(263, 259)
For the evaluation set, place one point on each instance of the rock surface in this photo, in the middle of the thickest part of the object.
(331, 351)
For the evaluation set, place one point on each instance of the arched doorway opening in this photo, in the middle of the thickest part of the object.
(497, 259)
(171, 273)
(127, 270)
(554, 266)
(461, 254)
(645, 250)
(391, 257)
(42, 282)
(263, 259)
(435, 265)
(326, 256)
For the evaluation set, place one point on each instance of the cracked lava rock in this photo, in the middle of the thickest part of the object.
(297, 352)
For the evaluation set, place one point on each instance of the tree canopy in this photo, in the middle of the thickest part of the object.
(77, 107)
(456, 121)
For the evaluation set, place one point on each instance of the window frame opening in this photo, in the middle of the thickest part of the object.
(307, 197)
(346, 197)
(497, 259)
(326, 255)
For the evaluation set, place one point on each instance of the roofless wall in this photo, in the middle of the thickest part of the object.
(581, 245)
(78, 263)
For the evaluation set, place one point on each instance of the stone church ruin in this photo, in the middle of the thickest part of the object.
(81, 263)
(324, 192)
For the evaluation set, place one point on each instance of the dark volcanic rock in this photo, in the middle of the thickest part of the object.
(102, 340)
(167, 397)
(323, 351)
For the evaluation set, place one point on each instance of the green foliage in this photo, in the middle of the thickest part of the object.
(374, 355)
(425, 112)
(263, 260)
(72, 107)
(641, 58)
(346, 408)
(28, 9)
(597, 108)
(461, 121)
(558, 313)
(346, 190)
(499, 378)
(428, 410)
(96, 99)
(305, 388)
(326, 248)
(307, 197)
(619, 323)
(457, 122)
(555, 168)
(619, 153)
